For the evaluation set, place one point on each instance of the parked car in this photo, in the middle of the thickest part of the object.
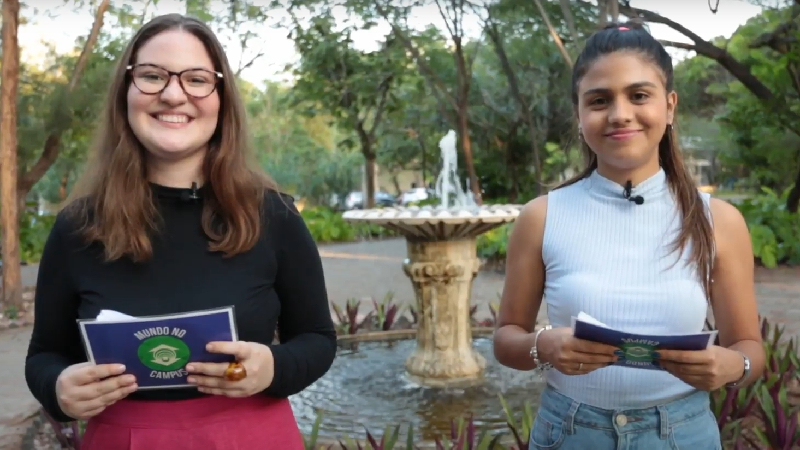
(355, 200)
(417, 194)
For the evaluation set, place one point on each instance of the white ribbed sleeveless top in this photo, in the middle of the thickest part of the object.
(613, 259)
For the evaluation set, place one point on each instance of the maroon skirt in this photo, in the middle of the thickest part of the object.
(208, 423)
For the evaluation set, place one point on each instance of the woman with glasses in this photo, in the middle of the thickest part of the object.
(172, 216)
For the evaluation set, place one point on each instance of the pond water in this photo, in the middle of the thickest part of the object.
(368, 389)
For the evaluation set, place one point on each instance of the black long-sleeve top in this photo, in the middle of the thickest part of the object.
(277, 283)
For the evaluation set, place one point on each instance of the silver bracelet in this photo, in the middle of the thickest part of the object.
(540, 365)
(745, 373)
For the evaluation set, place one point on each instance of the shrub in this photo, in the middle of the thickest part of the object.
(775, 232)
(327, 225)
(765, 414)
(493, 244)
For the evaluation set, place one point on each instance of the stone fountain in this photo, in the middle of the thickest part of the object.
(441, 264)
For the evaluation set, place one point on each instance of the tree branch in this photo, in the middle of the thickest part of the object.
(437, 86)
(707, 49)
(680, 45)
(782, 36)
(247, 65)
(52, 144)
(556, 38)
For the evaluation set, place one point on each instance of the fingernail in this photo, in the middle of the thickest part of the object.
(655, 355)
(190, 368)
(130, 379)
(619, 353)
(121, 368)
(209, 347)
(191, 380)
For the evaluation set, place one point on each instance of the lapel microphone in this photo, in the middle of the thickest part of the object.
(626, 193)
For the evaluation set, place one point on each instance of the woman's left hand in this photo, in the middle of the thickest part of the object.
(706, 370)
(256, 359)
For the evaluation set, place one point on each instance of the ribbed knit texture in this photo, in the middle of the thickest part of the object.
(613, 259)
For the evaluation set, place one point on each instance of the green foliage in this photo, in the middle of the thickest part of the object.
(757, 143)
(327, 225)
(493, 244)
(300, 153)
(774, 231)
(464, 435)
(33, 232)
(761, 415)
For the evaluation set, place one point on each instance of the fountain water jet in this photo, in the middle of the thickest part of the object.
(442, 263)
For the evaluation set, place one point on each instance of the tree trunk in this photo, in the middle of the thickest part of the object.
(522, 105)
(369, 173)
(62, 186)
(52, 144)
(466, 147)
(396, 184)
(369, 164)
(9, 204)
(464, 78)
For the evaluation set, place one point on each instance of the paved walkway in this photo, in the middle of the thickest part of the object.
(358, 270)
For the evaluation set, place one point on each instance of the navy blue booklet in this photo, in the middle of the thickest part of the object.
(638, 348)
(157, 349)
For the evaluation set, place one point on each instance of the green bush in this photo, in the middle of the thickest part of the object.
(327, 225)
(33, 232)
(774, 231)
(492, 245)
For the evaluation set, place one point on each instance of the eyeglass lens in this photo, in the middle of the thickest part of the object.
(152, 80)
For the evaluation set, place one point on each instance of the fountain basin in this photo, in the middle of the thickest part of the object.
(431, 223)
(368, 388)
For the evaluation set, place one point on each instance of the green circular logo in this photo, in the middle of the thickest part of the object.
(164, 353)
(637, 352)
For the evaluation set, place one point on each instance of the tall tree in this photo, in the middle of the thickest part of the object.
(353, 86)
(59, 121)
(453, 13)
(9, 205)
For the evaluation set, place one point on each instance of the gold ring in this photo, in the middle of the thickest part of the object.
(580, 367)
(235, 372)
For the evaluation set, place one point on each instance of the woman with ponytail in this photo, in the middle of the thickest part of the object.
(632, 242)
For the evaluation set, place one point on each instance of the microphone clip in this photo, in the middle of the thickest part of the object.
(626, 193)
(191, 196)
(194, 195)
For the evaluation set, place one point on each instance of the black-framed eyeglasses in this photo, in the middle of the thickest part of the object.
(151, 79)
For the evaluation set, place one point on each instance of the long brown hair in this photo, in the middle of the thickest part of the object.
(696, 230)
(113, 200)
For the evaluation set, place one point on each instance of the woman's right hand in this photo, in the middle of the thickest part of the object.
(85, 390)
(572, 356)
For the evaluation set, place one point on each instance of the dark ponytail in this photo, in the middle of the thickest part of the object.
(696, 231)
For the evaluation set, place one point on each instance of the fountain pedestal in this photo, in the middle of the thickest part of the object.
(441, 265)
(442, 274)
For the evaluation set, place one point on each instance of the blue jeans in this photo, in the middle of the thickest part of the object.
(564, 424)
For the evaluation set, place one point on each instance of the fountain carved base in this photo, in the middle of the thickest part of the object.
(442, 273)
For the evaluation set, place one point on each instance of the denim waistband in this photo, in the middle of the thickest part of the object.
(660, 417)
